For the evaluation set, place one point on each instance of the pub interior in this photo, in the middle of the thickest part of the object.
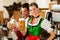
(11, 9)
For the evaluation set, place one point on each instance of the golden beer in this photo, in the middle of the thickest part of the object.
(21, 24)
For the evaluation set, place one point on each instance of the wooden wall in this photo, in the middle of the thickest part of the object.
(1, 16)
(50, 5)
(42, 14)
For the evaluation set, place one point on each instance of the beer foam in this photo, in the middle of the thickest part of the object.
(21, 19)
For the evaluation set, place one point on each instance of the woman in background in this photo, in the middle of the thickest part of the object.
(36, 23)
(19, 33)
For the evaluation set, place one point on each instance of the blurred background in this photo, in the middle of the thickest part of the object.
(49, 9)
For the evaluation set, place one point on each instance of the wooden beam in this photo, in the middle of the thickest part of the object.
(43, 8)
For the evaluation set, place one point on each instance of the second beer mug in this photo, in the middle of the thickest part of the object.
(21, 24)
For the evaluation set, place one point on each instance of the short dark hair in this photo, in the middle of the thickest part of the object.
(34, 4)
(25, 5)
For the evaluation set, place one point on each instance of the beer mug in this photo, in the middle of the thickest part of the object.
(21, 24)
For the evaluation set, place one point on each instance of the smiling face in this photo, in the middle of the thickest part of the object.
(34, 9)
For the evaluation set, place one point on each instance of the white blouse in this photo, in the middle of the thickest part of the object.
(45, 25)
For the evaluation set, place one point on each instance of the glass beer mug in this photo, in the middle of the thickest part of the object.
(21, 24)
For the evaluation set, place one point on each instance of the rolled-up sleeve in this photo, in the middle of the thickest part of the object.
(46, 26)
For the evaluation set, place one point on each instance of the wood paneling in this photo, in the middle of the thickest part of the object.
(50, 5)
(42, 14)
(1, 16)
(43, 8)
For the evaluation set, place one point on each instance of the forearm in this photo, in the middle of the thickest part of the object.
(50, 38)
(52, 35)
